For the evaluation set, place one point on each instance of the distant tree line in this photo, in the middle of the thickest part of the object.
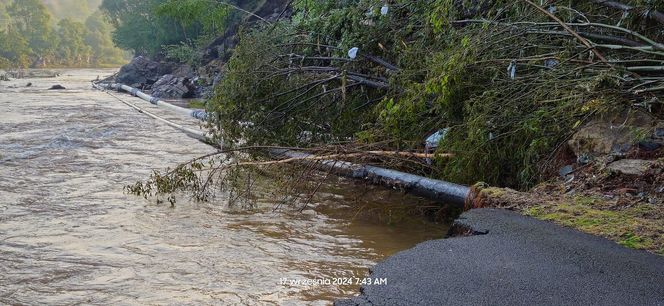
(171, 28)
(30, 37)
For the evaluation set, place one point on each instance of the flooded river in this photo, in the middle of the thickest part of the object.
(68, 234)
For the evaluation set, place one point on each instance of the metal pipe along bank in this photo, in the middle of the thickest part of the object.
(198, 114)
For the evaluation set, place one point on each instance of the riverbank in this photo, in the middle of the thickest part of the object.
(619, 198)
(499, 257)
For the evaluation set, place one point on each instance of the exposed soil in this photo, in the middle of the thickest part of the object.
(626, 208)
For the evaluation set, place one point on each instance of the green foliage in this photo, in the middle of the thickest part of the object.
(283, 91)
(99, 38)
(636, 227)
(210, 17)
(288, 84)
(4, 17)
(32, 38)
(138, 28)
(14, 50)
(31, 20)
(72, 48)
(183, 53)
(149, 27)
(77, 10)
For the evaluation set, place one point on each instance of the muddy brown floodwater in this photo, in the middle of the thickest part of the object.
(68, 234)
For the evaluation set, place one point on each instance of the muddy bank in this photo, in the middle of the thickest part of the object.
(509, 259)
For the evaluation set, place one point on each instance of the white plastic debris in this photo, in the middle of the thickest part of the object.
(384, 10)
(511, 70)
(434, 139)
(352, 53)
(432, 142)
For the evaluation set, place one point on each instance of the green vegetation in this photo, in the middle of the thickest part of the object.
(196, 104)
(510, 80)
(176, 28)
(78, 10)
(507, 79)
(31, 37)
(638, 227)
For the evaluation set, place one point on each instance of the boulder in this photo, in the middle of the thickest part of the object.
(609, 136)
(631, 166)
(142, 71)
(172, 87)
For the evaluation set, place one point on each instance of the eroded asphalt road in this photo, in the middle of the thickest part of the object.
(519, 261)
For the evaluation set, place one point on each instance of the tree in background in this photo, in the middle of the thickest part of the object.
(4, 17)
(77, 10)
(14, 50)
(163, 27)
(99, 38)
(72, 49)
(31, 20)
(31, 37)
(139, 28)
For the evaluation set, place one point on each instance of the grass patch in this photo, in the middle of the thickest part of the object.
(636, 227)
(200, 104)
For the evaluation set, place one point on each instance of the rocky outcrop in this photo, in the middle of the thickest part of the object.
(174, 81)
(172, 87)
(631, 166)
(142, 72)
(609, 136)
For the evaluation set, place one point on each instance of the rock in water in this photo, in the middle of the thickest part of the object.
(57, 87)
(172, 87)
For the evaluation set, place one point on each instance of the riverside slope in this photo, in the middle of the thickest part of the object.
(517, 260)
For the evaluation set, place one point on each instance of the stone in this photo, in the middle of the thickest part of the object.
(631, 166)
(144, 71)
(659, 133)
(57, 87)
(649, 146)
(172, 87)
(610, 136)
(564, 171)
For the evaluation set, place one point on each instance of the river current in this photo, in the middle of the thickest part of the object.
(69, 235)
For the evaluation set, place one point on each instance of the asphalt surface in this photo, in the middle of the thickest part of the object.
(519, 261)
